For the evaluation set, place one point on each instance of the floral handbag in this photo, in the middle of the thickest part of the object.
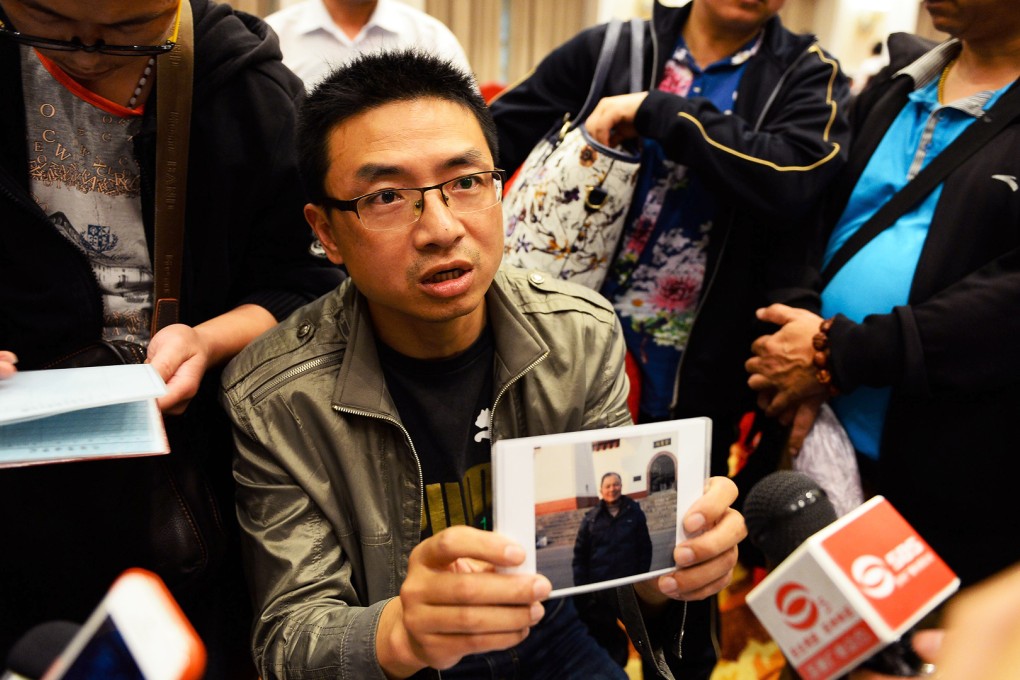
(564, 213)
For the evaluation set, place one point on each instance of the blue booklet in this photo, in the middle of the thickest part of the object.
(63, 415)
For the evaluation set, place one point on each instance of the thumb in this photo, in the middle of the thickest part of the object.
(927, 644)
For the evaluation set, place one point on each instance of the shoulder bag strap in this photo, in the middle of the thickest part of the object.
(637, 54)
(979, 133)
(173, 120)
(598, 82)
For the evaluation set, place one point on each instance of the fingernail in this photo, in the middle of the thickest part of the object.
(694, 522)
(541, 588)
(668, 585)
(514, 553)
(537, 612)
(684, 556)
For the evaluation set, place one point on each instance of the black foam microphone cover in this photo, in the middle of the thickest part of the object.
(34, 651)
(783, 510)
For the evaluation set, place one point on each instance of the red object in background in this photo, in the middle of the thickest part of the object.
(634, 396)
(490, 89)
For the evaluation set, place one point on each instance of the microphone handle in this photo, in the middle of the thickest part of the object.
(898, 659)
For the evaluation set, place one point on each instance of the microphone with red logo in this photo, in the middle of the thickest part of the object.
(842, 592)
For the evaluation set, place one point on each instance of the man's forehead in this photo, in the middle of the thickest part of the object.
(406, 136)
(370, 171)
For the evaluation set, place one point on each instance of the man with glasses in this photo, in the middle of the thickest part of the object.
(364, 422)
(78, 137)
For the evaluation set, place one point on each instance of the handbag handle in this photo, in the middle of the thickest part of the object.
(637, 47)
(174, 74)
(637, 54)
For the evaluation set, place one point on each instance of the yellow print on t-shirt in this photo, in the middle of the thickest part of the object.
(468, 501)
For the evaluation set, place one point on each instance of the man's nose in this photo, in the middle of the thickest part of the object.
(88, 34)
(438, 225)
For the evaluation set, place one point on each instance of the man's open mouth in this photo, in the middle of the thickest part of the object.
(445, 276)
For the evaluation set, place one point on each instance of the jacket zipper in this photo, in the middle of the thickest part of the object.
(15, 198)
(293, 372)
(694, 321)
(507, 386)
(407, 436)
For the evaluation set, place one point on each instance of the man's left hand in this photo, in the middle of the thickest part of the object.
(704, 563)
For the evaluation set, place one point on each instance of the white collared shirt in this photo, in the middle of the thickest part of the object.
(313, 44)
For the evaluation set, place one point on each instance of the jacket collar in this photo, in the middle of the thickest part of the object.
(360, 384)
(930, 65)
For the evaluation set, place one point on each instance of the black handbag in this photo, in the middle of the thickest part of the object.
(101, 353)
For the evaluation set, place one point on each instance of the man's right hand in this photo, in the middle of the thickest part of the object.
(7, 361)
(454, 603)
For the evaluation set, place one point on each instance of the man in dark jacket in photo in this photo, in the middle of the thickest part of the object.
(612, 542)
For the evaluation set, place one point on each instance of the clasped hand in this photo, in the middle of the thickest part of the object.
(783, 372)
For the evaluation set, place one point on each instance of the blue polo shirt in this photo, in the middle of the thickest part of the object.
(879, 277)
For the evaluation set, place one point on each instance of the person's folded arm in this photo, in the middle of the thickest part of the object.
(778, 170)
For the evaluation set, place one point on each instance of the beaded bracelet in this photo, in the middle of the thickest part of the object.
(823, 352)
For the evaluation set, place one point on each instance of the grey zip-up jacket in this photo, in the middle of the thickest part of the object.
(329, 484)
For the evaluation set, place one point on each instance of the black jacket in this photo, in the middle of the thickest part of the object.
(767, 164)
(947, 451)
(610, 547)
(68, 529)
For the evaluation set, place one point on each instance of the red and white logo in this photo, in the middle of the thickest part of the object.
(873, 577)
(794, 603)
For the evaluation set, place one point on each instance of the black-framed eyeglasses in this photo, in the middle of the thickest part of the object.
(395, 208)
(100, 46)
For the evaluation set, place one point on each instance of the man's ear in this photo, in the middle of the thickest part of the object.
(317, 219)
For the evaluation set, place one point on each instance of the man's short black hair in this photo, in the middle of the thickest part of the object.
(373, 80)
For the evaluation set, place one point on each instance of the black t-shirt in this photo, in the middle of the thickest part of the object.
(445, 405)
